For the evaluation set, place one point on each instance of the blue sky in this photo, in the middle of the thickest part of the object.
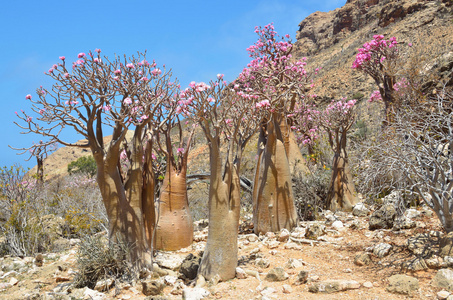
(196, 39)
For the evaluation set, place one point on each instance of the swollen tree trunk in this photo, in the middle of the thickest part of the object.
(148, 196)
(123, 200)
(175, 224)
(125, 215)
(273, 202)
(221, 252)
(342, 194)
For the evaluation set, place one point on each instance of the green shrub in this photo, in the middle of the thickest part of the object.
(84, 165)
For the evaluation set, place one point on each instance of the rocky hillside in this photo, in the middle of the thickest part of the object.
(330, 39)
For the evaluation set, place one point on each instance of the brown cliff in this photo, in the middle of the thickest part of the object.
(330, 39)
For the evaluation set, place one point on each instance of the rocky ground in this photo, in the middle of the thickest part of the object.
(337, 257)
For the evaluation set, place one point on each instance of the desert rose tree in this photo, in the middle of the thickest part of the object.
(228, 118)
(174, 224)
(336, 120)
(94, 96)
(279, 83)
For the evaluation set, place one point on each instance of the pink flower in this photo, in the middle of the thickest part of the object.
(28, 97)
(50, 70)
(180, 150)
(66, 75)
(97, 60)
(410, 44)
(156, 72)
(98, 50)
(107, 107)
(219, 76)
(117, 71)
(130, 66)
(29, 119)
(62, 57)
(153, 156)
(144, 79)
(264, 103)
(81, 54)
(55, 66)
(127, 101)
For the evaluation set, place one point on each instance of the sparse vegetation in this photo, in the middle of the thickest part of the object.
(83, 165)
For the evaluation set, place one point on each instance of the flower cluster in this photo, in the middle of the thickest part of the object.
(375, 51)
(375, 96)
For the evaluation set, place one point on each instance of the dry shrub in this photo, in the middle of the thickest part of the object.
(98, 260)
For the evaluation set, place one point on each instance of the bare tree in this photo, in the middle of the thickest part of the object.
(419, 147)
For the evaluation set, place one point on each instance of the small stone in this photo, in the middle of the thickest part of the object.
(287, 289)
(332, 286)
(214, 280)
(360, 210)
(13, 281)
(362, 259)
(347, 270)
(283, 236)
(240, 273)
(262, 263)
(314, 231)
(443, 295)
(368, 284)
(252, 237)
(337, 225)
(62, 279)
(170, 280)
(277, 274)
(293, 264)
(273, 244)
(292, 245)
(382, 249)
(152, 287)
(104, 285)
(39, 260)
(194, 293)
(270, 235)
(302, 277)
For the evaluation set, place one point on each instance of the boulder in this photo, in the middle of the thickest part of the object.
(315, 230)
(383, 218)
(402, 284)
(420, 245)
(360, 210)
(382, 249)
(189, 266)
(444, 279)
(277, 274)
(152, 287)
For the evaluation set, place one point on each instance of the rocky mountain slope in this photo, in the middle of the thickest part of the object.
(330, 39)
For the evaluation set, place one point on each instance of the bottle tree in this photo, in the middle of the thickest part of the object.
(94, 96)
(379, 58)
(228, 118)
(279, 83)
(336, 120)
(174, 227)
